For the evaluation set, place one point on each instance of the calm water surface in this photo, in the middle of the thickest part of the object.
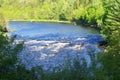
(41, 28)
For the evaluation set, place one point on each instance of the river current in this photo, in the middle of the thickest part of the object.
(52, 44)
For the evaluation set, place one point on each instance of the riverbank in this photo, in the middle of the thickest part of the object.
(76, 23)
(50, 21)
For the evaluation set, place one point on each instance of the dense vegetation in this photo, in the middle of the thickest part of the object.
(104, 13)
(111, 32)
(9, 70)
(87, 11)
(2, 23)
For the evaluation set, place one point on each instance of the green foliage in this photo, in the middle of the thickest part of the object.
(9, 49)
(36, 10)
(111, 32)
(2, 23)
(9, 70)
(91, 14)
(69, 72)
(87, 11)
(76, 70)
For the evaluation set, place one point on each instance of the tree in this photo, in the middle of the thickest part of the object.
(111, 32)
(2, 23)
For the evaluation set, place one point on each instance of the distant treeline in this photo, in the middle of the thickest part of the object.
(82, 11)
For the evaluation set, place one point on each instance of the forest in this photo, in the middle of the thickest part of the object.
(103, 14)
(88, 11)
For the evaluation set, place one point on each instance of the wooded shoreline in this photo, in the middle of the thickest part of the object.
(51, 21)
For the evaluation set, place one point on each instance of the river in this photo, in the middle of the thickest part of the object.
(52, 44)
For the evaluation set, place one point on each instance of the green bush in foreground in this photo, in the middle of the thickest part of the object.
(111, 32)
(76, 70)
(8, 59)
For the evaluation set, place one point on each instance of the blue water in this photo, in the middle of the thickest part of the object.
(33, 29)
(45, 38)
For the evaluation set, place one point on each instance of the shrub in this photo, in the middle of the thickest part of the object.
(2, 23)
(9, 69)
(111, 32)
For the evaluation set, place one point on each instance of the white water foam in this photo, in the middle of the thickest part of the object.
(53, 50)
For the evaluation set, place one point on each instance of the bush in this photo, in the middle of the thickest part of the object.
(2, 23)
(92, 14)
(76, 70)
(111, 32)
(9, 69)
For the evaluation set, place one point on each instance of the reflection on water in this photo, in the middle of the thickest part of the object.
(41, 28)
